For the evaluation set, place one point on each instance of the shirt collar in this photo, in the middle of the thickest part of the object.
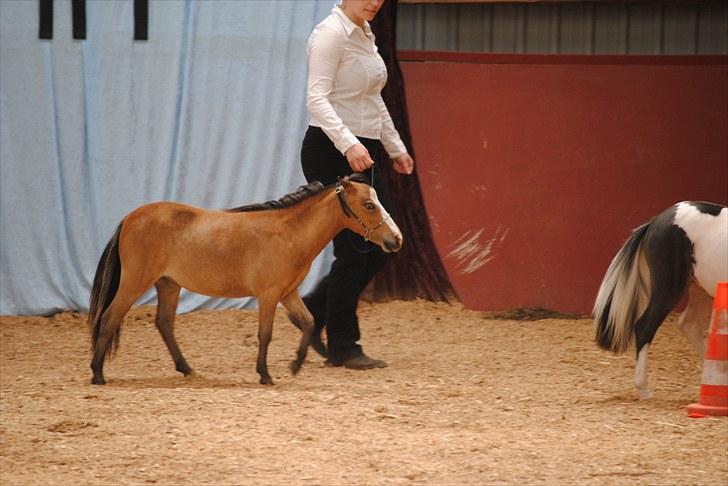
(349, 25)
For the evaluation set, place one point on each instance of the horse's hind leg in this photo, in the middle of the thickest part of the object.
(110, 322)
(669, 256)
(266, 312)
(168, 297)
(108, 333)
(645, 330)
(301, 318)
(696, 316)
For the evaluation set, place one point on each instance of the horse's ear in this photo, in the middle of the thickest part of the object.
(344, 181)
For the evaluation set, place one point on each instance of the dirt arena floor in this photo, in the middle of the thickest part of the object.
(466, 400)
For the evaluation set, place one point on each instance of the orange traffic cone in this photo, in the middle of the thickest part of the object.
(714, 385)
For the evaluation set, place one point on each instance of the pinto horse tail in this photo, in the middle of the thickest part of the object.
(106, 284)
(624, 294)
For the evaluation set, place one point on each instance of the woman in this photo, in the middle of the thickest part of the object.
(349, 123)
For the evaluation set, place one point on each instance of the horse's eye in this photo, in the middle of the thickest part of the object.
(369, 206)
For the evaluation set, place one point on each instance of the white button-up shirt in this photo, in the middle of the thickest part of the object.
(345, 80)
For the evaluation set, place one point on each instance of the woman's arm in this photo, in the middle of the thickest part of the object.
(325, 50)
(392, 142)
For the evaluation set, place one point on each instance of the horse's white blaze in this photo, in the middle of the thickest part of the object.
(709, 235)
(640, 373)
(389, 221)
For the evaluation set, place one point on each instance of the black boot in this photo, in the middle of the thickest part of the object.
(358, 362)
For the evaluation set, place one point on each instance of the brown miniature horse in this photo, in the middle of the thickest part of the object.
(262, 250)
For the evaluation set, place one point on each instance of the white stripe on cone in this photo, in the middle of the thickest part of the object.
(715, 372)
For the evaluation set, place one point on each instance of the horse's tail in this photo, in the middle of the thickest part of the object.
(624, 294)
(106, 284)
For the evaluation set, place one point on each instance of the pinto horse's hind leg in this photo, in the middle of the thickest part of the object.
(669, 257)
(168, 297)
(645, 330)
(696, 316)
(302, 319)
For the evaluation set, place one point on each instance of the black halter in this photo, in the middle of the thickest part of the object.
(350, 212)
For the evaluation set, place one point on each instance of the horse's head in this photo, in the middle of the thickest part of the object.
(366, 215)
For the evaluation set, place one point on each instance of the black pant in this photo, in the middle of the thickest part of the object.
(334, 301)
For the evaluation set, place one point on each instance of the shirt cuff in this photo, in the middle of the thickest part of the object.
(394, 149)
(346, 142)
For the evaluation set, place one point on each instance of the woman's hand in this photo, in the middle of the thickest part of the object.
(358, 157)
(404, 164)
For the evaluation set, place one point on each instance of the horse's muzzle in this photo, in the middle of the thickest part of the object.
(392, 245)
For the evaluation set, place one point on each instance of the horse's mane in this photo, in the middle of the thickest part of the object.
(303, 192)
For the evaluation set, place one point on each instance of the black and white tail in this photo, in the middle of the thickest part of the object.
(624, 294)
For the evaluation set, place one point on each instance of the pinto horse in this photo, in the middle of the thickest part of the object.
(262, 250)
(682, 250)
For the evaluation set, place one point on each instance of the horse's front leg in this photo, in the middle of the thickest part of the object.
(301, 318)
(266, 312)
(167, 298)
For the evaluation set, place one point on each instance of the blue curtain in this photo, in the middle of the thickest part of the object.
(209, 111)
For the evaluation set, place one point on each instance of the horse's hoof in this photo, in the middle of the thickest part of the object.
(645, 394)
(266, 380)
(319, 346)
(98, 381)
(185, 370)
(295, 366)
(183, 367)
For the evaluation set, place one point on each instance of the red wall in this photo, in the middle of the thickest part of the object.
(545, 164)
